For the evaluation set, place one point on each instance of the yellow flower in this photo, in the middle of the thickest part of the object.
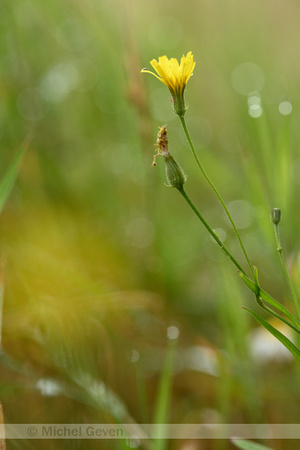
(174, 76)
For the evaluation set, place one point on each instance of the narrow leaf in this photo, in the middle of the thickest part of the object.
(277, 334)
(9, 178)
(249, 445)
(267, 298)
(164, 396)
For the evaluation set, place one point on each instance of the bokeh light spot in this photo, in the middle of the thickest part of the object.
(254, 99)
(242, 213)
(59, 82)
(48, 387)
(247, 77)
(255, 111)
(285, 108)
(172, 332)
(133, 356)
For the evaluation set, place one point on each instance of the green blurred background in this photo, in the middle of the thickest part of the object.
(100, 261)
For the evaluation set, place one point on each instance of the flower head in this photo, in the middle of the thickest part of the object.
(175, 76)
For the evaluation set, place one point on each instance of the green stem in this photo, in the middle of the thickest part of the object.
(286, 274)
(227, 253)
(210, 230)
(211, 184)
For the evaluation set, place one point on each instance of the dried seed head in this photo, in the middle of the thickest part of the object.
(174, 173)
(162, 140)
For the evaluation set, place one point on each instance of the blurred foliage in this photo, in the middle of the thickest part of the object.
(99, 258)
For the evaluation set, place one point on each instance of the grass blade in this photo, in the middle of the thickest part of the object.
(277, 334)
(249, 445)
(164, 395)
(9, 178)
(268, 299)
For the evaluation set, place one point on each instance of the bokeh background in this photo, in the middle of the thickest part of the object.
(103, 266)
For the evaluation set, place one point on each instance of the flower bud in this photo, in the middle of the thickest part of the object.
(175, 175)
(275, 216)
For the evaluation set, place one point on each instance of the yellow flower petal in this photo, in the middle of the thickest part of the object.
(175, 76)
(172, 74)
(152, 73)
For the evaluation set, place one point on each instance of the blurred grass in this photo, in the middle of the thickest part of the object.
(100, 257)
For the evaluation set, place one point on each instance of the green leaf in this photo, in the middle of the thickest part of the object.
(271, 301)
(162, 408)
(249, 445)
(9, 178)
(277, 334)
(267, 298)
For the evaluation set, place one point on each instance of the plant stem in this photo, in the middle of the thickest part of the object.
(286, 274)
(211, 231)
(211, 184)
(229, 255)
